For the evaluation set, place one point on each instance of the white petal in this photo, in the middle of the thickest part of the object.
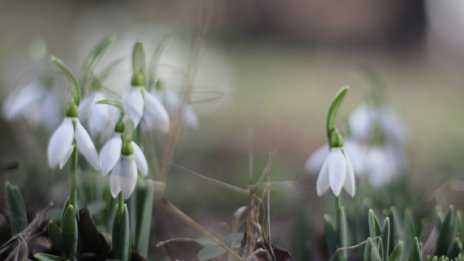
(322, 183)
(140, 159)
(19, 101)
(50, 110)
(315, 161)
(357, 153)
(110, 154)
(60, 142)
(115, 184)
(156, 112)
(350, 184)
(361, 121)
(337, 170)
(85, 145)
(133, 105)
(124, 177)
(66, 157)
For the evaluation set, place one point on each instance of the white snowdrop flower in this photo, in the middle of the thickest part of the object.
(381, 166)
(98, 117)
(364, 119)
(35, 104)
(356, 150)
(336, 173)
(142, 106)
(123, 159)
(69, 134)
(175, 106)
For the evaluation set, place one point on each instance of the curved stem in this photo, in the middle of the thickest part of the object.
(330, 123)
(71, 77)
(74, 170)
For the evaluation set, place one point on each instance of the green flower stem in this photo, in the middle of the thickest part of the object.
(120, 203)
(71, 78)
(332, 133)
(74, 180)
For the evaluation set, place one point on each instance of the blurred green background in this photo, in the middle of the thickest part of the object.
(276, 67)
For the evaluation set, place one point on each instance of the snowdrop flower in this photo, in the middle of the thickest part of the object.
(356, 150)
(366, 118)
(68, 135)
(98, 117)
(336, 173)
(174, 104)
(142, 106)
(35, 104)
(123, 159)
(381, 165)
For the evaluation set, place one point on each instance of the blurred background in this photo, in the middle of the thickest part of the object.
(269, 68)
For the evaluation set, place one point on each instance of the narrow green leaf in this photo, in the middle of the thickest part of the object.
(145, 198)
(459, 224)
(56, 235)
(155, 58)
(70, 232)
(445, 234)
(374, 225)
(397, 253)
(374, 251)
(416, 251)
(386, 237)
(15, 202)
(96, 56)
(455, 249)
(331, 234)
(47, 257)
(396, 228)
(300, 237)
(121, 235)
(380, 247)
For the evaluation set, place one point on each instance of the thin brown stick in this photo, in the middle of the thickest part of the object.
(179, 213)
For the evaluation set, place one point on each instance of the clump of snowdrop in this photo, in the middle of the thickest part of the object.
(336, 171)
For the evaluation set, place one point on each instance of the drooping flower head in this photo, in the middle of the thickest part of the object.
(142, 106)
(67, 136)
(337, 171)
(70, 133)
(35, 103)
(123, 157)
